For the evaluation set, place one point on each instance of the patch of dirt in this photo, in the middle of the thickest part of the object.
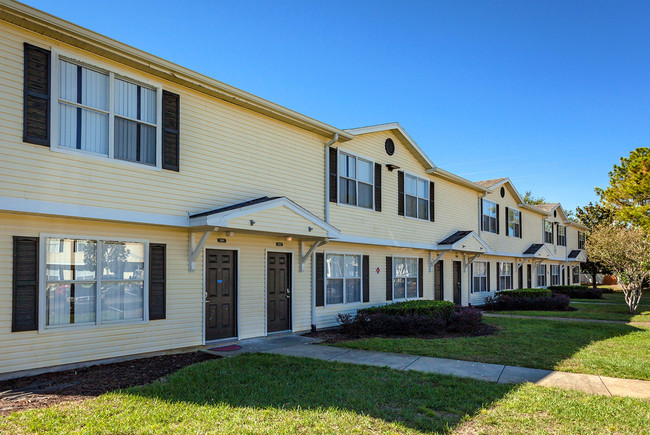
(47, 389)
(336, 335)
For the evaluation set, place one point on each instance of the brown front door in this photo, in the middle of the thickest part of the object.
(457, 282)
(529, 276)
(439, 280)
(221, 294)
(278, 291)
(520, 274)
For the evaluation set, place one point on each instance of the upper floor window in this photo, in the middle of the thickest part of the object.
(81, 272)
(555, 274)
(405, 278)
(581, 240)
(548, 231)
(541, 275)
(480, 277)
(416, 197)
(514, 223)
(561, 235)
(355, 181)
(505, 276)
(343, 276)
(102, 113)
(489, 218)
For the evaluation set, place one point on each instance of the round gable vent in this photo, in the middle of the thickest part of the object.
(390, 147)
(503, 192)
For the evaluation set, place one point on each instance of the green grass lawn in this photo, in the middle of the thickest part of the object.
(614, 308)
(615, 350)
(276, 394)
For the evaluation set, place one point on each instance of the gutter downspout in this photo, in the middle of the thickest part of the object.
(327, 176)
(327, 219)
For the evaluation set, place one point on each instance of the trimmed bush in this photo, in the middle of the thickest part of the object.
(505, 302)
(578, 291)
(411, 318)
(526, 293)
(442, 309)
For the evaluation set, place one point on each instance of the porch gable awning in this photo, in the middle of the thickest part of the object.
(274, 215)
(537, 250)
(578, 255)
(463, 241)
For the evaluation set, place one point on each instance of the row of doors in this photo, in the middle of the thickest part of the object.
(221, 293)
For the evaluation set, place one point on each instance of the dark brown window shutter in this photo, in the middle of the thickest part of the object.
(366, 278)
(157, 281)
(377, 187)
(421, 277)
(499, 276)
(488, 276)
(481, 219)
(171, 129)
(512, 283)
(334, 174)
(320, 279)
(507, 222)
(400, 193)
(498, 219)
(471, 277)
(389, 278)
(521, 224)
(25, 284)
(36, 105)
(432, 201)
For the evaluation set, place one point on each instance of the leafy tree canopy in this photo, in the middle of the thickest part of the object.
(533, 200)
(628, 193)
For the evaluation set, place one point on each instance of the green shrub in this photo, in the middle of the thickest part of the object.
(441, 309)
(526, 293)
(578, 291)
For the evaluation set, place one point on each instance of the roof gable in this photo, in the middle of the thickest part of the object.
(467, 241)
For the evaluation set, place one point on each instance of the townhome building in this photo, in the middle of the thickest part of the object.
(147, 208)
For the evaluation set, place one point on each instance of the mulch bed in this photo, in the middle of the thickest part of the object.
(76, 385)
(335, 335)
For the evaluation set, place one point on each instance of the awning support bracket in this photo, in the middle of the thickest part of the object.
(469, 260)
(197, 248)
(304, 257)
(432, 261)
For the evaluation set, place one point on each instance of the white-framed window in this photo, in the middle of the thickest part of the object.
(342, 278)
(581, 240)
(505, 276)
(356, 181)
(541, 275)
(92, 281)
(514, 223)
(576, 275)
(103, 113)
(480, 277)
(416, 197)
(555, 274)
(548, 231)
(561, 235)
(405, 278)
(489, 218)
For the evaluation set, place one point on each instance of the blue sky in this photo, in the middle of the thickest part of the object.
(548, 93)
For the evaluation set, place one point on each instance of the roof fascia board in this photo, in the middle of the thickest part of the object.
(56, 28)
(457, 179)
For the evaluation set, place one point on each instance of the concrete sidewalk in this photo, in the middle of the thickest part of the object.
(300, 346)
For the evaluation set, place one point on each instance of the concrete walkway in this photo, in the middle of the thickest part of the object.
(299, 346)
(565, 319)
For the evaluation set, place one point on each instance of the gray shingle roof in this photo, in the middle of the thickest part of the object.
(532, 249)
(458, 235)
(489, 183)
(236, 206)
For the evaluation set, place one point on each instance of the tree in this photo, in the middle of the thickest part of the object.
(628, 193)
(626, 251)
(533, 200)
(592, 216)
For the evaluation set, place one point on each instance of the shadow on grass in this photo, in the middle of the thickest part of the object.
(424, 402)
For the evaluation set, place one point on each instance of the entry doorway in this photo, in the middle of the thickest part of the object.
(278, 291)
(439, 281)
(220, 294)
(457, 282)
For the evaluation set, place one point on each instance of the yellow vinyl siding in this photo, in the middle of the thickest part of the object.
(31, 349)
(277, 220)
(455, 206)
(227, 154)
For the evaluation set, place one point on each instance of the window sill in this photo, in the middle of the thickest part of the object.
(90, 326)
(94, 156)
(356, 207)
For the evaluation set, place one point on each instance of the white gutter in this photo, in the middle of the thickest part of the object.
(327, 176)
